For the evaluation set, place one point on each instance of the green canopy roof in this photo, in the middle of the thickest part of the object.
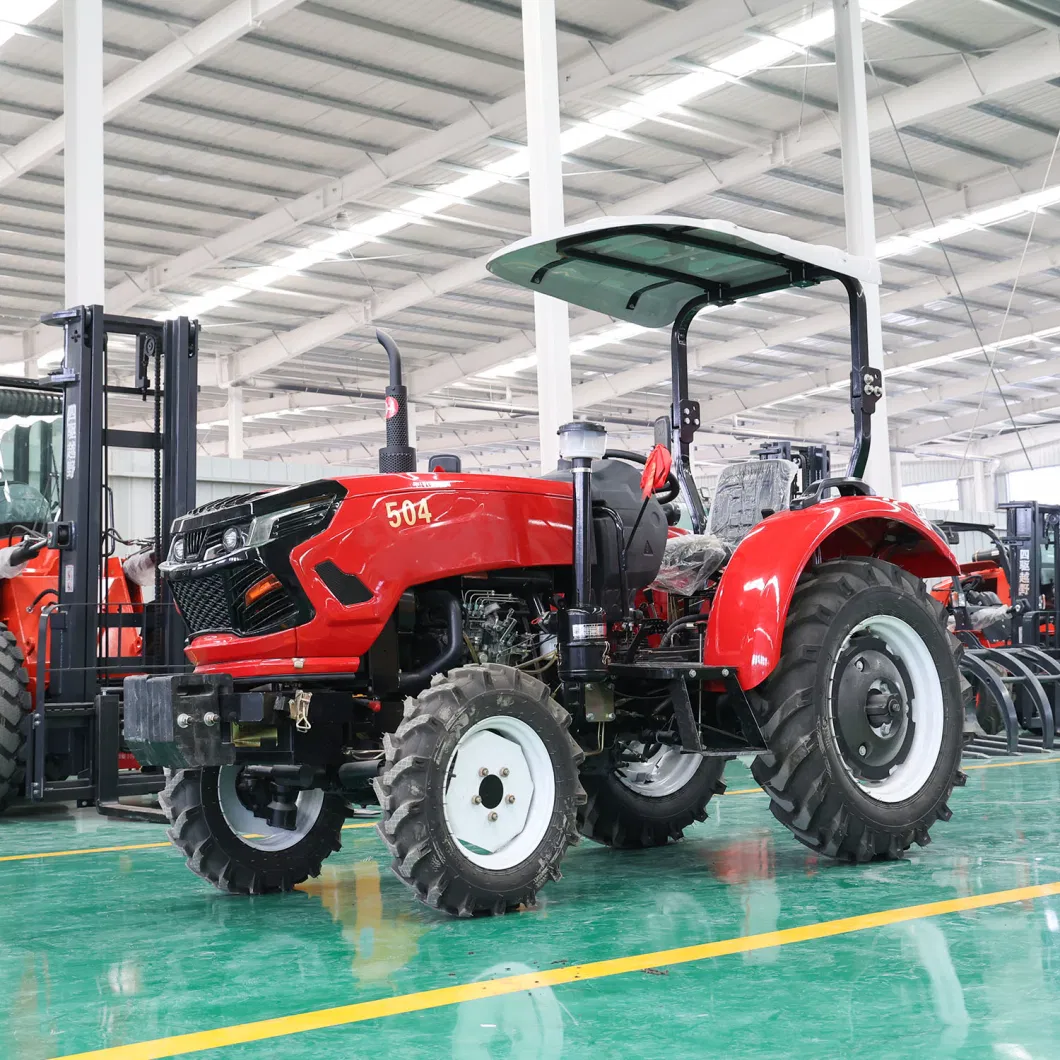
(644, 269)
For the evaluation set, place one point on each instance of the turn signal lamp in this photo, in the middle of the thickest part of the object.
(261, 588)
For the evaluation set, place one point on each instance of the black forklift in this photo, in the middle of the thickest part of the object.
(87, 593)
(1012, 657)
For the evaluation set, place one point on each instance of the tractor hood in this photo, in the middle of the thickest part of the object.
(645, 269)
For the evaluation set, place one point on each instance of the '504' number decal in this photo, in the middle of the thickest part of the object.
(408, 512)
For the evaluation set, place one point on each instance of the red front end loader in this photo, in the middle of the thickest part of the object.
(468, 649)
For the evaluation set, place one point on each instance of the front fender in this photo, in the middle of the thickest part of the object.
(755, 591)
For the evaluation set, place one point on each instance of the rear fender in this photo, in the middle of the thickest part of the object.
(755, 591)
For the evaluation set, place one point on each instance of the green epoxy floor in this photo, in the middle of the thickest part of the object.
(100, 950)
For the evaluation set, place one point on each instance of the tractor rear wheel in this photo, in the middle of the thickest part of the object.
(864, 713)
(480, 791)
(239, 853)
(649, 803)
(14, 705)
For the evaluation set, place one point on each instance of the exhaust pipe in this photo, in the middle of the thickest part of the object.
(397, 456)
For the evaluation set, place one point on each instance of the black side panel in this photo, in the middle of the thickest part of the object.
(346, 588)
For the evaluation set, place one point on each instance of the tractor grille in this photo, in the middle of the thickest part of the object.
(216, 602)
(196, 542)
(203, 602)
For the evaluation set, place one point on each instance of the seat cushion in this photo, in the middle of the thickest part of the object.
(688, 563)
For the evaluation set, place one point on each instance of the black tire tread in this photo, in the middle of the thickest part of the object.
(795, 775)
(605, 819)
(14, 705)
(401, 789)
(192, 835)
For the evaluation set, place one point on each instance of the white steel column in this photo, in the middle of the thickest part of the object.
(858, 206)
(83, 150)
(551, 328)
(896, 475)
(235, 423)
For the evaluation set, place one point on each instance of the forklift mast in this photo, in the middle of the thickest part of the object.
(83, 687)
(813, 461)
(1031, 541)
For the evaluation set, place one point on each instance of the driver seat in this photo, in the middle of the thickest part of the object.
(745, 494)
(747, 490)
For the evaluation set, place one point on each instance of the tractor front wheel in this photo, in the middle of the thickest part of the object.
(214, 826)
(480, 791)
(651, 802)
(863, 715)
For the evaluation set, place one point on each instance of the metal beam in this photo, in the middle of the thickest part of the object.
(1023, 63)
(858, 209)
(950, 425)
(575, 29)
(735, 402)
(303, 51)
(642, 50)
(959, 347)
(551, 328)
(83, 98)
(390, 29)
(197, 45)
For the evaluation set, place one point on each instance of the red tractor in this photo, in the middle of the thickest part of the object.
(467, 649)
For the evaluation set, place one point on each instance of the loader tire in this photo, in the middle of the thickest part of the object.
(863, 714)
(639, 806)
(240, 853)
(14, 705)
(480, 791)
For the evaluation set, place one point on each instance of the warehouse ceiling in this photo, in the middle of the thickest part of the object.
(349, 164)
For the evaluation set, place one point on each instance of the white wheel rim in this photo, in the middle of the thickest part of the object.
(664, 773)
(256, 831)
(499, 817)
(927, 710)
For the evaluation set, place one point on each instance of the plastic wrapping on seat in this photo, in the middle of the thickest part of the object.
(744, 491)
(982, 617)
(688, 563)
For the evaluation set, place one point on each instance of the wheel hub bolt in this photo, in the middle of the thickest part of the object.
(493, 815)
(475, 799)
(859, 664)
(505, 771)
(510, 799)
(863, 750)
(483, 772)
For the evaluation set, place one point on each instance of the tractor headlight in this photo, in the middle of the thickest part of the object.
(176, 550)
(303, 519)
(232, 539)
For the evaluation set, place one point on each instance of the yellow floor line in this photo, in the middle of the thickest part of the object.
(282, 1026)
(130, 846)
(371, 824)
(89, 850)
(1020, 762)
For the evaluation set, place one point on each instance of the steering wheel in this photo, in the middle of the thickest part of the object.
(670, 492)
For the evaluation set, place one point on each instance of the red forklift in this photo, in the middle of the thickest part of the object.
(80, 606)
(467, 649)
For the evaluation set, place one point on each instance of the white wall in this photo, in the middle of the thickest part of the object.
(132, 476)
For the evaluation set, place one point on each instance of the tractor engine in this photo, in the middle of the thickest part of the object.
(499, 628)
